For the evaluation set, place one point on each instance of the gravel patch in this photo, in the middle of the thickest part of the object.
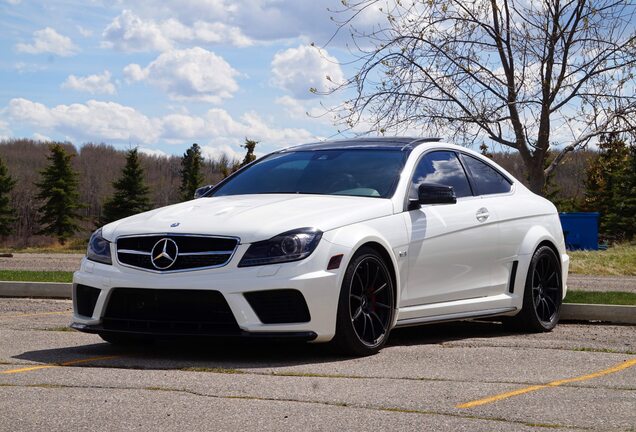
(42, 262)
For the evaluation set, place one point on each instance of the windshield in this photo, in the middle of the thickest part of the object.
(369, 173)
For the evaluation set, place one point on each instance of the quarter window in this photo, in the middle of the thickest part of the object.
(443, 168)
(485, 178)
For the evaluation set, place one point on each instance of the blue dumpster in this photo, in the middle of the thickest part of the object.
(580, 230)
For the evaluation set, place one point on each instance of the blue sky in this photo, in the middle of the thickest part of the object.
(161, 75)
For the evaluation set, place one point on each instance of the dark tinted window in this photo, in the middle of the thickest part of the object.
(485, 178)
(443, 168)
(372, 173)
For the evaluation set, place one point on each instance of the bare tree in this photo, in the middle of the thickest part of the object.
(532, 75)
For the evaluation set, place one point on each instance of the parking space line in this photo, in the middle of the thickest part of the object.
(617, 368)
(36, 314)
(47, 366)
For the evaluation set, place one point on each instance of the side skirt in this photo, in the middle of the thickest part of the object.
(454, 316)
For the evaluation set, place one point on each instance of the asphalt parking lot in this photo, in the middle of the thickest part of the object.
(461, 376)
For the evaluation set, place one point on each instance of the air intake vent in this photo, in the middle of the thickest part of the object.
(173, 311)
(279, 306)
(170, 252)
(86, 299)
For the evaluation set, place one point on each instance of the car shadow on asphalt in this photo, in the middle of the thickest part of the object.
(232, 354)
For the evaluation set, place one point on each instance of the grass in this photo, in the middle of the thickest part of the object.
(592, 297)
(72, 246)
(36, 276)
(619, 260)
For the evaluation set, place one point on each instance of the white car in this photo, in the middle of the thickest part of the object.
(338, 240)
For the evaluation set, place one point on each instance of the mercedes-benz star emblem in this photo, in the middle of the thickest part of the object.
(164, 254)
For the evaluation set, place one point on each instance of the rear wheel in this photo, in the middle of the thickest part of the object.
(543, 293)
(366, 305)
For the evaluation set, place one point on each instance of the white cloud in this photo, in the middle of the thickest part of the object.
(216, 150)
(24, 68)
(152, 152)
(94, 84)
(129, 32)
(49, 41)
(191, 74)
(5, 132)
(220, 124)
(266, 20)
(134, 72)
(217, 32)
(109, 121)
(84, 31)
(299, 69)
(94, 120)
(315, 110)
(40, 137)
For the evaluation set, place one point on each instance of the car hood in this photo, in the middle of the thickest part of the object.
(252, 217)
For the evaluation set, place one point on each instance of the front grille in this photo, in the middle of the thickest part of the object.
(158, 311)
(85, 299)
(191, 251)
(280, 306)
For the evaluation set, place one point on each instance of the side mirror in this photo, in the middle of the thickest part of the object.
(202, 191)
(431, 193)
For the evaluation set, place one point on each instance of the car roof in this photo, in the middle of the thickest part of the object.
(376, 143)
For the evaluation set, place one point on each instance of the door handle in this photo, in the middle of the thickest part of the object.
(482, 214)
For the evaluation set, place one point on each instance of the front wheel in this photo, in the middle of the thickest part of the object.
(543, 293)
(366, 305)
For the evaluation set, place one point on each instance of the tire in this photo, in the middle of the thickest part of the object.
(123, 339)
(366, 305)
(543, 293)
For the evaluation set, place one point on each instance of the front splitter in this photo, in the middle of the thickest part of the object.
(242, 334)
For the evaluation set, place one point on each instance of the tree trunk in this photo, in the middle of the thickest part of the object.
(536, 175)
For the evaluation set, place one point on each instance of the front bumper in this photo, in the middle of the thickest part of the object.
(319, 287)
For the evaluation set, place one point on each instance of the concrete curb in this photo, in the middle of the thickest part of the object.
(569, 311)
(594, 312)
(36, 289)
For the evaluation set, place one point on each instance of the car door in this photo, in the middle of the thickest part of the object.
(495, 191)
(452, 246)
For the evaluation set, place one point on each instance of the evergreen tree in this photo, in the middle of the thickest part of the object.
(228, 168)
(7, 213)
(191, 176)
(249, 154)
(131, 192)
(58, 189)
(609, 188)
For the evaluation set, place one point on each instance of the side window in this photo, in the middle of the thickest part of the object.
(485, 178)
(443, 168)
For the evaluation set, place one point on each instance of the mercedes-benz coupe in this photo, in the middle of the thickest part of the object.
(332, 241)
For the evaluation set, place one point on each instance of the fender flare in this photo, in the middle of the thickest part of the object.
(354, 239)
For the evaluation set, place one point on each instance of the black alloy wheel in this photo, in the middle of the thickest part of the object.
(543, 293)
(546, 289)
(366, 305)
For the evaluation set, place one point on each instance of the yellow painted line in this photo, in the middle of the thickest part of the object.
(617, 368)
(68, 363)
(36, 314)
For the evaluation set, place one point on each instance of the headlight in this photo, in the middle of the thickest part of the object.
(98, 248)
(290, 246)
